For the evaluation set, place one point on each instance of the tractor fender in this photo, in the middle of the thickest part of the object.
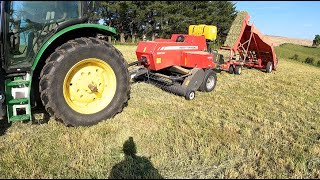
(57, 39)
(106, 29)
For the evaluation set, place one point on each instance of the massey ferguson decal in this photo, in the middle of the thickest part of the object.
(179, 48)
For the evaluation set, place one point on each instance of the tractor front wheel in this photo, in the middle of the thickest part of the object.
(84, 82)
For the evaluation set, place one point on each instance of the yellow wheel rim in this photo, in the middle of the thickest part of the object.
(89, 86)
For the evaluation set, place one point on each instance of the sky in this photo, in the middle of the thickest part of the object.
(295, 19)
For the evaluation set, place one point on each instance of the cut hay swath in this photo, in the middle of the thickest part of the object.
(235, 29)
(233, 33)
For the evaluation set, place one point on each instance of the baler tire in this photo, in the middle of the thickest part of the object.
(269, 67)
(209, 76)
(190, 95)
(237, 70)
(71, 59)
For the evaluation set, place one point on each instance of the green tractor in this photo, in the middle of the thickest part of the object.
(52, 57)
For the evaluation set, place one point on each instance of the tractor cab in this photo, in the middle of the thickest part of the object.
(33, 35)
(26, 25)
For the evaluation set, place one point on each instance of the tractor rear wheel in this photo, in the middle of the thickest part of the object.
(209, 82)
(84, 82)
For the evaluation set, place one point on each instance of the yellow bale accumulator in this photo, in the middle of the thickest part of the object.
(210, 32)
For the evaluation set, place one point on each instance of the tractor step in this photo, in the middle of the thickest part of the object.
(20, 118)
(18, 101)
(18, 83)
(18, 97)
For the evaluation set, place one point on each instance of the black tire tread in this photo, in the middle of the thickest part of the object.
(203, 88)
(268, 67)
(52, 62)
(231, 69)
(236, 70)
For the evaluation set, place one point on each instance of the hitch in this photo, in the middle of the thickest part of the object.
(143, 60)
(140, 70)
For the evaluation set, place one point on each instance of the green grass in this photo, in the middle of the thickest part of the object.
(289, 50)
(255, 125)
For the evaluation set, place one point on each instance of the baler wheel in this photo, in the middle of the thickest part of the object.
(209, 81)
(84, 81)
(238, 70)
(269, 67)
(190, 95)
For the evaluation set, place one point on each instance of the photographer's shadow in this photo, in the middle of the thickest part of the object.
(133, 166)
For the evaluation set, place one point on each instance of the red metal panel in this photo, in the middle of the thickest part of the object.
(146, 49)
(163, 53)
(198, 59)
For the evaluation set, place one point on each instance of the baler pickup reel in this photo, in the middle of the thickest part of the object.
(183, 83)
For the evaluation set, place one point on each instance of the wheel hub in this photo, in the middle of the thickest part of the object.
(89, 86)
(191, 95)
(93, 88)
(210, 82)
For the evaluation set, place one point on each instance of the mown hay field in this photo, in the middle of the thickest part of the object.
(255, 125)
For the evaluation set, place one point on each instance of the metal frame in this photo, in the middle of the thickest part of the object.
(248, 58)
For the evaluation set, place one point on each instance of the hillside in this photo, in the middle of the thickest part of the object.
(278, 40)
(299, 53)
(255, 125)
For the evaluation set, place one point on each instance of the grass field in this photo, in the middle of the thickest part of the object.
(255, 125)
(288, 51)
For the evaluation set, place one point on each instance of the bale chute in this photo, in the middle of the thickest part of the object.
(246, 46)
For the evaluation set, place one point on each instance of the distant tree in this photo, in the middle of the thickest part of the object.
(125, 16)
(224, 17)
(161, 19)
(316, 41)
(153, 14)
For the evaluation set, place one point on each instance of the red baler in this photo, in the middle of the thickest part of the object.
(183, 64)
